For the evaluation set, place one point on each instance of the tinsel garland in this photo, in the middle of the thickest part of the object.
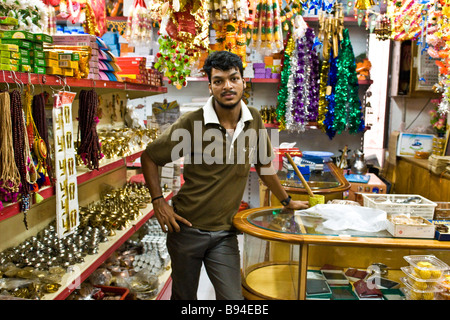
(302, 102)
(283, 89)
(323, 102)
(330, 97)
(347, 110)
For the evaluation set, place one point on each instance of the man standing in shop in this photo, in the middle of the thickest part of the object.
(219, 143)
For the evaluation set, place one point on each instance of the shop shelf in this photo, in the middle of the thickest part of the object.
(134, 90)
(84, 175)
(81, 271)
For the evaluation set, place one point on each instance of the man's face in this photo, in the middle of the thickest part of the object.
(227, 87)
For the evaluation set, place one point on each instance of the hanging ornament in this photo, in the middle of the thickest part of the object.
(347, 110)
(383, 27)
(173, 61)
(283, 88)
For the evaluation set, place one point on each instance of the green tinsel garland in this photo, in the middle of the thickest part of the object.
(283, 89)
(348, 110)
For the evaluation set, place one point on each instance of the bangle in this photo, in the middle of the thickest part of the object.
(157, 198)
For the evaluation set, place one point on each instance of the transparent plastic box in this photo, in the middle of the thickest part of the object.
(409, 271)
(437, 264)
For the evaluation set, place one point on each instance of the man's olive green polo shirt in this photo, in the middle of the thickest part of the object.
(216, 165)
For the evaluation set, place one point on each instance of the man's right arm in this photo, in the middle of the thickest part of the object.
(164, 213)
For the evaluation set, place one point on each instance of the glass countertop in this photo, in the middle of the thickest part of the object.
(278, 220)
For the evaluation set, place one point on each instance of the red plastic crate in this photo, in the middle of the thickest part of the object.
(120, 291)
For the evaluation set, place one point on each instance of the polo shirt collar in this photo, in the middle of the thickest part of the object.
(210, 115)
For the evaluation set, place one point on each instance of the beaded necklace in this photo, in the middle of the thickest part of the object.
(9, 174)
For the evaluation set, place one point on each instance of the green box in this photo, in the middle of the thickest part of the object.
(25, 60)
(24, 52)
(38, 46)
(9, 61)
(39, 70)
(38, 62)
(25, 68)
(18, 42)
(9, 47)
(15, 55)
(9, 67)
(42, 37)
(37, 54)
(16, 34)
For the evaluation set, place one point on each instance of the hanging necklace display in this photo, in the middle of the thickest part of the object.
(40, 122)
(35, 142)
(89, 146)
(22, 153)
(67, 210)
(9, 174)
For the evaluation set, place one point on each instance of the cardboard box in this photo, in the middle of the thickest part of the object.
(442, 235)
(374, 185)
(9, 47)
(39, 70)
(25, 68)
(18, 42)
(16, 34)
(410, 230)
(42, 37)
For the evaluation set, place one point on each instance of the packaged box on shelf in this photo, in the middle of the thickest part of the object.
(25, 60)
(39, 70)
(54, 70)
(9, 47)
(37, 54)
(16, 34)
(374, 185)
(23, 52)
(65, 56)
(9, 61)
(67, 72)
(18, 42)
(38, 46)
(9, 54)
(25, 68)
(76, 40)
(9, 67)
(410, 227)
(40, 62)
(51, 55)
(42, 37)
(68, 64)
(50, 63)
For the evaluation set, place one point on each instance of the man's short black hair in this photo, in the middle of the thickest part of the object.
(224, 61)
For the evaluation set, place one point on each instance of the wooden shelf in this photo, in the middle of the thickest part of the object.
(81, 271)
(83, 176)
(134, 90)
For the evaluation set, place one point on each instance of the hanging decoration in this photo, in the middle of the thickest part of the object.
(22, 155)
(267, 33)
(10, 178)
(139, 24)
(283, 87)
(302, 101)
(348, 110)
(173, 61)
(35, 142)
(31, 15)
(42, 129)
(230, 36)
(89, 146)
(67, 211)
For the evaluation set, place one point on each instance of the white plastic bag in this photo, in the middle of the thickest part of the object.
(342, 217)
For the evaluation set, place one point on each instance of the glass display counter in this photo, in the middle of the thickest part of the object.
(280, 247)
(328, 181)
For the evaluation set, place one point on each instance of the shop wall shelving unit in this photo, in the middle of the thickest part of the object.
(111, 171)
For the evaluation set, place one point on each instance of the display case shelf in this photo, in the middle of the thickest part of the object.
(83, 176)
(81, 271)
(134, 90)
